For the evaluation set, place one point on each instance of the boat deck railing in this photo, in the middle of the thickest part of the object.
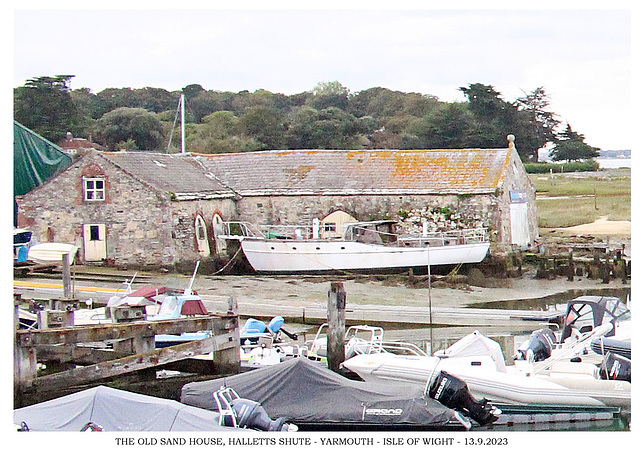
(461, 236)
(353, 232)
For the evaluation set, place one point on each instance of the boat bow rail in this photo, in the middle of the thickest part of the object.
(236, 230)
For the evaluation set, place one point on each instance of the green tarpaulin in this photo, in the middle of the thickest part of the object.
(35, 159)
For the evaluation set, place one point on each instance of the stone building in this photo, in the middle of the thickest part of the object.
(140, 208)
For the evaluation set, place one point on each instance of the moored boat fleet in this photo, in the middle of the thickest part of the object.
(579, 370)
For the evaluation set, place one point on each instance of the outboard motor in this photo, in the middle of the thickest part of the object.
(615, 367)
(244, 413)
(251, 415)
(454, 393)
(538, 347)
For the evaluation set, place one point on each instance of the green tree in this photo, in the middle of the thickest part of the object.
(329, 94)
(535, 125)
(44, 104)
(207, 102)
(219, 133)
(123, 124)
(265, 125)
(377, 102)
(570, 146)
(330, 128)
(192, 90)
(88, 104)
(448, 127)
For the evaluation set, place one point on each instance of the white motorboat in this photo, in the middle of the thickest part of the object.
(583, 315)
(479, 361)
(364, 246)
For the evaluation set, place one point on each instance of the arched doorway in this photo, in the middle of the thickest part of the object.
(218, 229)
(332, 225)
(202, 240)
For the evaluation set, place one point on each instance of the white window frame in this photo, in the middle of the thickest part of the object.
(94, 194)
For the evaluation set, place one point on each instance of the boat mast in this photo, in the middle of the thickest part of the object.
(182, 123)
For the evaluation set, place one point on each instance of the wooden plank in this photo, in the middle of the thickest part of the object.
(84, 334)
(137, 362)
(78, 354)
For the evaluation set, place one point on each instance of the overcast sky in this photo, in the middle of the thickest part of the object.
(581, 57)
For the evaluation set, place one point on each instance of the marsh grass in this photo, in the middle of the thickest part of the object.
(565, 201)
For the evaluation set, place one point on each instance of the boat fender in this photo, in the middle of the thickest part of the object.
(453, 392)
(615, 367)
(251, 415)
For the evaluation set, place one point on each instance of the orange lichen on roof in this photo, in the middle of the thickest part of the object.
(299, 173)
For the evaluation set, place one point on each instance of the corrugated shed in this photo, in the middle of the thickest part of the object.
(465, 171)
(180, 174)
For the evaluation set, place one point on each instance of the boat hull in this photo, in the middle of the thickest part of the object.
(269, 255)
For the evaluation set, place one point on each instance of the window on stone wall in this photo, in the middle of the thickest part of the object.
(94, 189)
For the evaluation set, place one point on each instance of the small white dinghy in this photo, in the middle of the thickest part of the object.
(47, 253)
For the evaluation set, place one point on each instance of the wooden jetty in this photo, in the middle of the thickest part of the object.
(595, 260)
(76, 355)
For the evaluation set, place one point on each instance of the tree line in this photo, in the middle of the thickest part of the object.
(329, 116)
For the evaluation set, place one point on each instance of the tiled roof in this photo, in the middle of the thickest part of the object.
(361, 172)
(179, 174)
(298, 172)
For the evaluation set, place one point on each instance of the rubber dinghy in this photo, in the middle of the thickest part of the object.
(313, 397)
(479, 361)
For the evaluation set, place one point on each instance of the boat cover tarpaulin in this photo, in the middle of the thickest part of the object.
(307, 392)
(115, 410)
(35, 159)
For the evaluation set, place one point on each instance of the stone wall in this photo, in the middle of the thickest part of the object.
(144, 227)
(471, 211)
(182, 220)
(516, 179)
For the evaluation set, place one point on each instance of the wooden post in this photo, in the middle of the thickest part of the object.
(606, 269)
(227, 360)
(571, 266)
(66, 275)
(232, 306)
(25, 367)
(337, 301)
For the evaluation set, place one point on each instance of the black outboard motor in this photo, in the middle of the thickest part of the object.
(454, 393)
(538, 346)
(250, 414)
(615, 367)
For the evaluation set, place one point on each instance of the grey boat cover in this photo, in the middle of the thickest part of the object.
(307, 392)
(115, 410)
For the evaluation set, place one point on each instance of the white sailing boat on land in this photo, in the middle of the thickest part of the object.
(364, 246)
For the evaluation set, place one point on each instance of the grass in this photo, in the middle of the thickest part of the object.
(565, 201)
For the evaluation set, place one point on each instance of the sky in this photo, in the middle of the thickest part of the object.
(582, 58)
